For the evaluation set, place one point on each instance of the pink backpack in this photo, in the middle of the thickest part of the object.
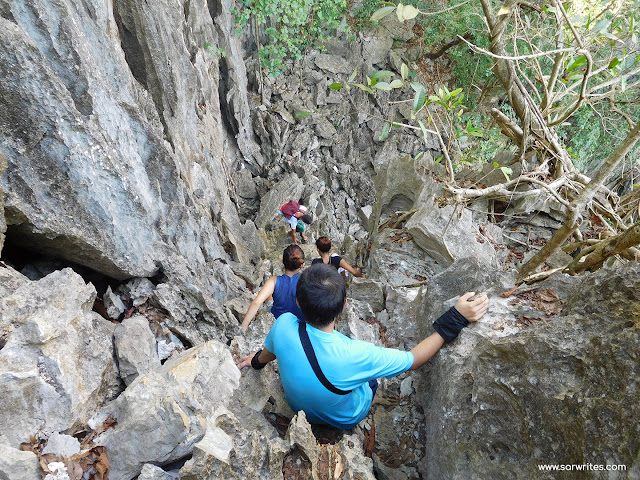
(290, 209)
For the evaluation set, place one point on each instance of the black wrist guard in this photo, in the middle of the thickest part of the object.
(450, 324)
(255, 363)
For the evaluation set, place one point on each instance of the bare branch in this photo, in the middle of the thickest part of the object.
(475, 48)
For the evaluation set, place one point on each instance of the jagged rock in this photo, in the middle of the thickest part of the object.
(368, 291)
(237, 450)
(333, 63)
(3, 223)
(136, 348)
(398, 30)
(161, 415)
(138, 290)
(356, 321)
(397, 261)
(113, 303)
(16, 464)
(117, 152)
(153, 472)
(554, 392)
(61, 445)
(398, 187)
(58, 362)
(289, 188)
(375, 47)
(355, 465)
(448, 234)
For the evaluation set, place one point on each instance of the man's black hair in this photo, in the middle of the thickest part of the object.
(307, 218)
(321, 294)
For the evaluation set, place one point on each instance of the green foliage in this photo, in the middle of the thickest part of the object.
(292, 26)
(215, 52)
(467, 20)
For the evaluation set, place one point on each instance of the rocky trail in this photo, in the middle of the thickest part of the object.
(139, 177)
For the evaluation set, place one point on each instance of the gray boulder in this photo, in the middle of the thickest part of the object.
(448, 234)
(118, 158)
(559, 391)
(3, 223)
(161, 416)
(135, 347)
(152, 472)
(16, 464)
(58, 362)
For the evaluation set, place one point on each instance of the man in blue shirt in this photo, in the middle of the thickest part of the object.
(330, 376)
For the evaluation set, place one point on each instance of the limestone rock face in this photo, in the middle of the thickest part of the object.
(16, 464)
(136, 348)
(118, 157)
(559, 391)
(3, 223)
(161, 415)
(57, 366)
(447, 235)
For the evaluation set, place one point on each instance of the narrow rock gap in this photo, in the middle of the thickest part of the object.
(133, 52)
(36, 264)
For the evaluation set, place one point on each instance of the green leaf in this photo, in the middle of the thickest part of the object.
(613, 63)
(381, 13)
(404, 71)
(456, 92)
(506, 171)
(417, 86)
(601, 25)
(419, 155)
(397, 83)
(439, 159)
(409, 12)
(353, 75)
(385, 131)
(382, 86)
(335, 86)
(418, 100)
(399, 12)
(302, 114)
(382, 74)
(424, 131)
(363, 87)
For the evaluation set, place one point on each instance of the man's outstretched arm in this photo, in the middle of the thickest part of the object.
(256, 360)
(448, 326)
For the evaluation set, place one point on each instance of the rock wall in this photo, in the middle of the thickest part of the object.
(118, 156)
(507, 397)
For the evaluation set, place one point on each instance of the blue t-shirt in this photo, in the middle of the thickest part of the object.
(284, 296)
(348, 364)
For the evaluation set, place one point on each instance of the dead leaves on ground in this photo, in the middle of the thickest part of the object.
(545, 301)
(90, 464)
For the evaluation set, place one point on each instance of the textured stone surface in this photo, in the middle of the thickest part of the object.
(162, 415)
(560, 391)
(57, 366)
(3, 223)
(135, 347)
(16, 464)
(152, 472)
(448, 234)
(118, 156)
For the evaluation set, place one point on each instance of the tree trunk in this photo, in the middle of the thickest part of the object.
(572, 221)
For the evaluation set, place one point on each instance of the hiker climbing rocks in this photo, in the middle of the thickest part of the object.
(323, 244)
(330, 376)
(295, 216)
(282, 288)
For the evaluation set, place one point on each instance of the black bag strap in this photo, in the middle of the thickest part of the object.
(311, 356)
